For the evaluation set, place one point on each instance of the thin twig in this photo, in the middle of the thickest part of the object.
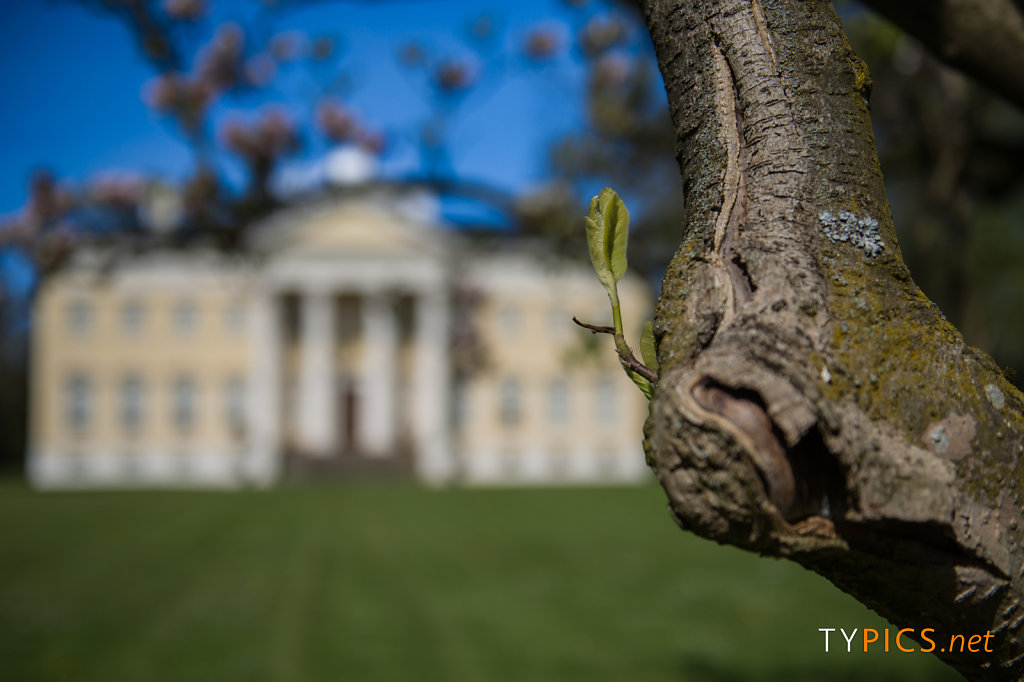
(625, 355)
(594, 329)
(629, 360)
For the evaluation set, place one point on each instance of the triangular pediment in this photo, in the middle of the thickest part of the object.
(379, 225)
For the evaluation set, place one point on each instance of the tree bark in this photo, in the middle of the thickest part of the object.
(813, 403)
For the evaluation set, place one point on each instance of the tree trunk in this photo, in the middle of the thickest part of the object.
(813, 403)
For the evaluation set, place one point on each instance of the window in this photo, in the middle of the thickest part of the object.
(558, 401)
(559, 323)
(511, 464)
(131, 403)
(184, 403)
(510, 320)
(132, 318)
(460, 403)
(607, 463)
(234, 404)
(510, 411)
(559, 463)
(234, 318)
(185, 318)
(79, 318)
(607, 404)
(289, 317)
(405, 314)
(78, 401)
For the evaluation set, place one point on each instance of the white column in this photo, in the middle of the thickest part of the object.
(262, 461)
(431, 389)
(316, 374)
(378, 373)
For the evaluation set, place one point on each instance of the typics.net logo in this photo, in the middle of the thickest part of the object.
(903, 641)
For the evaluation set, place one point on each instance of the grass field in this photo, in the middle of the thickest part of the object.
(369, 583)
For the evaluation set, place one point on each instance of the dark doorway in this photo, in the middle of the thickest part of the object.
(349, 417)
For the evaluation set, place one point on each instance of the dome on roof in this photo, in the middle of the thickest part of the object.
(350, 166)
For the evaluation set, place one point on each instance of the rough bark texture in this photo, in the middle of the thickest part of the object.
(813, 403)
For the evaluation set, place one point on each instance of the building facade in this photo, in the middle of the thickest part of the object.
(329, 347)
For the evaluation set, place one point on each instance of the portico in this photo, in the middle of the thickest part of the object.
(339, 373)
(351, 355)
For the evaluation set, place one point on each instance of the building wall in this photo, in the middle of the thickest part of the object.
(550, 405)
(177, 330)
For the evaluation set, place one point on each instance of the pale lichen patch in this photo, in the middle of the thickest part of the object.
(846, 227)
(995, 396)
(951, 437)
(939, 438)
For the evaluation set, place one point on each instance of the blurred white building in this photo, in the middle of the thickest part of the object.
(329, 348)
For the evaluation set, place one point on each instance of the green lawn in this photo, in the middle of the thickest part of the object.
(368, 583)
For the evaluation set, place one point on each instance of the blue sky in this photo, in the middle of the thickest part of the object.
(71, 80)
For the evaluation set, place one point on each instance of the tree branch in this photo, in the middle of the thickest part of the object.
(813, 403)
(595, 329)
(626, 356)
(982, 38)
